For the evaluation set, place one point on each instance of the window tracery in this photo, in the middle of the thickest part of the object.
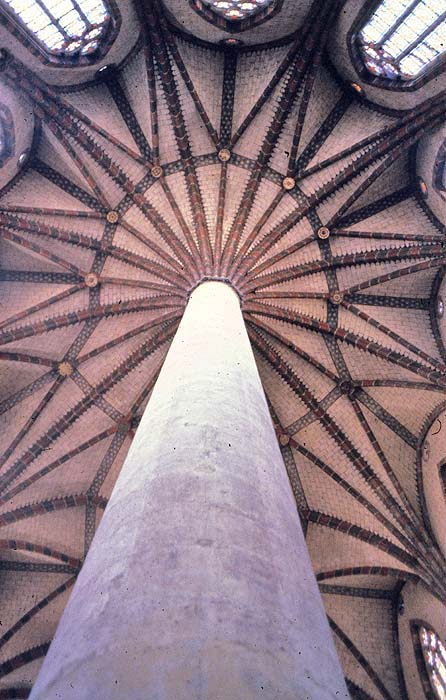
(236, 15)
(439, 179)
(7, 138)
(237, 9)
(402, 38)
(434, 654)
(63, 28)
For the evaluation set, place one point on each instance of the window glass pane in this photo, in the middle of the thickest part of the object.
(2, 139)
(6, 135)
(401, 39)
(419, 20)
(434, 653)
(64, 26)
(385, 16)
(236, 9)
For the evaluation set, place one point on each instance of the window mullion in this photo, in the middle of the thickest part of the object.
(81, 13)
(400, 49)
(397, 23)
(53, 19)
(421, 37)
(70, 31)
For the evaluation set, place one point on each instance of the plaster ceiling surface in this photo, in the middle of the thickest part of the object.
(262, 168)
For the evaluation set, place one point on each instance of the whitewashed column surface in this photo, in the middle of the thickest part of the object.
(198, 584)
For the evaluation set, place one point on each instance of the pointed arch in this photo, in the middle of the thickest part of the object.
(430, 653)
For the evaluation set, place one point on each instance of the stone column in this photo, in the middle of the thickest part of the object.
(198, 584)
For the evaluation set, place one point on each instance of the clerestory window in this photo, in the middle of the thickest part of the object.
(7, 138)
(2, 140)
(434, 654)
(237, 9)
(63, 28)
(403, 38)
(439, 179)
(236, 15)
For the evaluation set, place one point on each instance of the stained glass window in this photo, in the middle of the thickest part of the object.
(434, 653)
(236, 9)
(64, 27)
(7, 139)
(2, 140)
(403, 37)
(439, 178)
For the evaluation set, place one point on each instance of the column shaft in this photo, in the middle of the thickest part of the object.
(198, 584)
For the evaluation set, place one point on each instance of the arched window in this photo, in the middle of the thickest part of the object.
(403, 38)
(2, 140)
(63, 28)
(7, 138)
(434, 654)
(440, 169)
(237, 9)
(236, 15)
(442, 466)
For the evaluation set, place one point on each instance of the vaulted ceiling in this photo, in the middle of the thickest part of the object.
(258, 164)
